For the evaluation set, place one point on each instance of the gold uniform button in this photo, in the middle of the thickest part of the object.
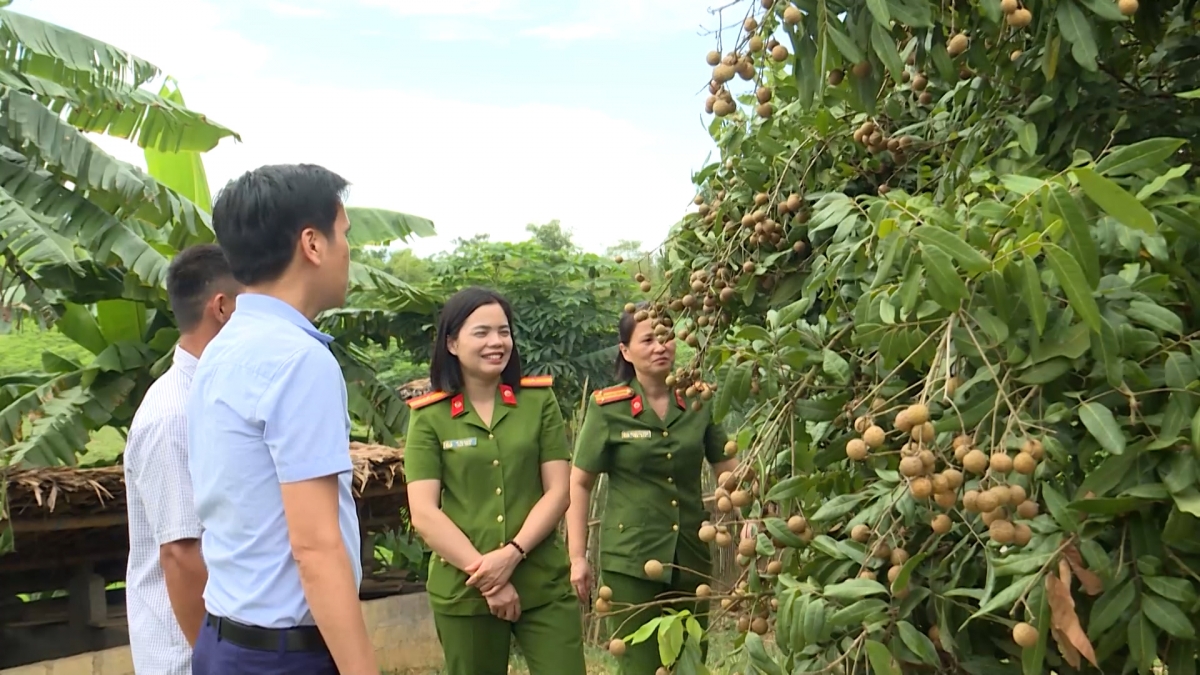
(668, 455)
(675, 527)
(497, 490)
(495, 462)
(620, 526)
(500, 519)
(664, 433)
(491, 435)
(670, 480)
(674, 503)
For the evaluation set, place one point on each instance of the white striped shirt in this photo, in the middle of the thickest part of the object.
(158, 490)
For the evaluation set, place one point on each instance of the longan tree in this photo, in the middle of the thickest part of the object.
(943, 276)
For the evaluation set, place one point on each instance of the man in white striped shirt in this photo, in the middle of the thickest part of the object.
(165, 579)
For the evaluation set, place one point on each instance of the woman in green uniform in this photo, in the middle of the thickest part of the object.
(653, 448)
(488, 471)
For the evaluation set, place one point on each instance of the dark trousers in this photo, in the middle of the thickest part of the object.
(213, 656)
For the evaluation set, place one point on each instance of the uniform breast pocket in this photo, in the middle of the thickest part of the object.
(635, 451)
(461, 454)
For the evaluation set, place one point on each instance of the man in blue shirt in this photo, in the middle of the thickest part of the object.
(269, 439)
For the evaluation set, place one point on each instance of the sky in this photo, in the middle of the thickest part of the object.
(481, 115)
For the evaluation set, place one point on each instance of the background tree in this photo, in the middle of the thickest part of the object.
(552, 236)
(941, 275)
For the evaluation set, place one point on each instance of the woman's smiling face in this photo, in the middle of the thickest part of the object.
(484, 343)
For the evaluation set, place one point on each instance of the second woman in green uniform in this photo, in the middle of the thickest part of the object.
(653, 447)
(487, 466)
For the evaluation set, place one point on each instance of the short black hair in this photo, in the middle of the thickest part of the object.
(194, 276)
(259, 216)
(445, 373)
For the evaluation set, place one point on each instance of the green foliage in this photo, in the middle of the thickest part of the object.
(987, 256)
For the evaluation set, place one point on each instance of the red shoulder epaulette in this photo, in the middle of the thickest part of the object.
(427, 399)
(613, 394)
(538, 381)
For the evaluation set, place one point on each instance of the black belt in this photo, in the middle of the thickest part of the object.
(298, 639)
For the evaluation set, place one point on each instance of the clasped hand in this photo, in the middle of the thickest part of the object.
(490, 574)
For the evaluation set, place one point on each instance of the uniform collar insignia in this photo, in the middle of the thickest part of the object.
(635, 406)
(457, 405)
(507, 395)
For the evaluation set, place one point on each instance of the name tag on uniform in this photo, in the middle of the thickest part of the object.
(460, 443)
(635, 433)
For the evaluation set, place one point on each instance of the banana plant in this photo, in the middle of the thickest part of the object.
(86, 239)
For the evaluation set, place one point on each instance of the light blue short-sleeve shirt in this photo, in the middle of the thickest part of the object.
(267, 406)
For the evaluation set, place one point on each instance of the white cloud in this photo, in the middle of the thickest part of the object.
(444, 7)
(469, 167)
(301, 11)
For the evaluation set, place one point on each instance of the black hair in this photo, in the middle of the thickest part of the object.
(624, 370)
(194, 276)
(259, 216)
(445, 373)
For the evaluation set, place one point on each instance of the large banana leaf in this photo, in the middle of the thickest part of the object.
(180, 170)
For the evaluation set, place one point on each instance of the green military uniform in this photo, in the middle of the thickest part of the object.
(491, 479)
(654, 508)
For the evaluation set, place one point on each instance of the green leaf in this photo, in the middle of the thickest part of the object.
(1031, 293)
(670, 639)
(946, 287)
(736, 379)
(843, 43)
(838, 506)
(1171, 588)
(1005, 598)
(1070, 277)
(885, 48)
(1076, 29)
(1101, 424)
(181, 171)
(857, 613)
(968, 256)
(919, 643)
(1105, 10)
(78, 324)
(1142, 643)
(1156, 317)
(1082, 245)
(371, 227)
(1115, 201)
(853, 589)
(759, 657)
(1167, 616)
(1106, 350)
(1147, 154)
(881, 659)
(1109, 609)
(836, 366)
(879, 9)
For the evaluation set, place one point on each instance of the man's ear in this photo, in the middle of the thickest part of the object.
(311, 243)
(221, 307)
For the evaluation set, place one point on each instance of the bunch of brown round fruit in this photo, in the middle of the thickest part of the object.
(994, 502)
(872, 136)
(881, 550)
(734, 490)
(1016, 15)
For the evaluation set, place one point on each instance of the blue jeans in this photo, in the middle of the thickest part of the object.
(213, 656)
